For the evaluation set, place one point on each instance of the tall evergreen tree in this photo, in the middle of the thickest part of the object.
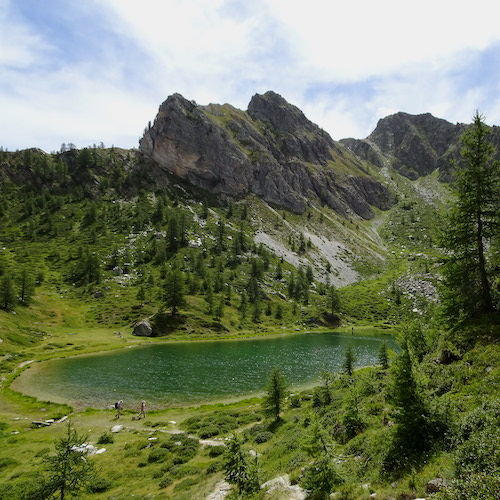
(473, 223)
(26, 286)
(276, 393)
(410, 413)
(383, 356)
(7, 294)
(349, 360)
(174, 297)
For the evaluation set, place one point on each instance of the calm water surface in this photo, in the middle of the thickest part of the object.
(174, 374)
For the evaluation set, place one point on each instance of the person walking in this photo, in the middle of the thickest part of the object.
(118, 407)
(142, 413)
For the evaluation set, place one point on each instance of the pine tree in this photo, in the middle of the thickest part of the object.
(332, 300)
(174, 290)
(238, 469)
(68, 471)
(276, 393)
(473, 224)
(349, 360)
(26, 287)
(7, 295)
(410, 413)
(383, 356)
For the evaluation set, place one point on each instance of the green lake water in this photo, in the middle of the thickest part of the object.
(183, 373)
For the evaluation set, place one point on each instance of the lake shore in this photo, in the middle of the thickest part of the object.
(32, 380)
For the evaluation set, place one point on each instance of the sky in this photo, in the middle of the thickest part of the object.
(96, 71)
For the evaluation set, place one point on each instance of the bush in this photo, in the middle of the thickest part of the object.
(321, 478)
(209, 431)
(214, 467)
(472, 487)
(165, 482)
(215, 451)
(106, 438)
(263, 437)
(477, 440)
(185, 484)
(157, 455)
(6, 462)
(99, 485)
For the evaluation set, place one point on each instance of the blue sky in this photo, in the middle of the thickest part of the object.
(96, 71)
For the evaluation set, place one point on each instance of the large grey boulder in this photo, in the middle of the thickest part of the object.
(143, 329)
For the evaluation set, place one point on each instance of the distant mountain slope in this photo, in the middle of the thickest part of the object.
(272, 150)
(414, 145)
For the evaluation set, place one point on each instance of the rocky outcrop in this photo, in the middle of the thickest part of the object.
(272, 151)
(143, 329)
(414, 145)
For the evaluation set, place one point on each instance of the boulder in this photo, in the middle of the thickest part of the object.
(436, 485)
(282, 484)
(143, 329)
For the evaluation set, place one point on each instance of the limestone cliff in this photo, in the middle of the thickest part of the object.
(272, 151)
(414, 145)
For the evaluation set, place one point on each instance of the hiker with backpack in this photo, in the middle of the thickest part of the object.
(118, 408)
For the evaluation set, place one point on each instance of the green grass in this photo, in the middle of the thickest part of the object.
(65, 319)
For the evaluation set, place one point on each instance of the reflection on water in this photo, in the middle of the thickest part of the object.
(174, 374)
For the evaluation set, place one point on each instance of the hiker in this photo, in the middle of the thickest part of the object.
(142, 413)
(118, 407)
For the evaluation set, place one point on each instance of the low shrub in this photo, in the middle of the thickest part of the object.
(214, 467)
(215, 451)
(99, 485)
(106, 438)
(7, 462)
(263, 437)
(157, 455)
(165, 482)
(209, 431)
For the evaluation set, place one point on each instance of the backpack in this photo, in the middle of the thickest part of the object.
(117, 405)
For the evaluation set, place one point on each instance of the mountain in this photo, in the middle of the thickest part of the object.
(414, 145)
(272, 151)
(263, 185)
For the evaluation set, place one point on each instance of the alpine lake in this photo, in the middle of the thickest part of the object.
(187, 373)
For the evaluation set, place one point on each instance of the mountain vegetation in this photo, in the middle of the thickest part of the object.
(229, 224)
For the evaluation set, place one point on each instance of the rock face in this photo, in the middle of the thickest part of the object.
(414, 145)
(272, 151)
(143, 329)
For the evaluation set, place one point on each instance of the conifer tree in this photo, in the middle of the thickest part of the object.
(473, 224)
(239, 470)
(174, 290)
(410, 414)
(383, 356)
(349, 360)
(276, 393)
(7, 295)
(68, 471)
(26, 287)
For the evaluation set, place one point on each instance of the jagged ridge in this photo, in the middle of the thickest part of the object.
(272, 150)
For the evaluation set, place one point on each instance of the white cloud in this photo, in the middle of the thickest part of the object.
(344, 64)
(20, 46)
(359, 39)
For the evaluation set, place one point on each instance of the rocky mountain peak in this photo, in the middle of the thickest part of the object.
(274, 110)
(414, 145)
(272, 151)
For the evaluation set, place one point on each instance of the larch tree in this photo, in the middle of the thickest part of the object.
(277, 391)
(473, 225)
(173, 296)
(67, 470)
